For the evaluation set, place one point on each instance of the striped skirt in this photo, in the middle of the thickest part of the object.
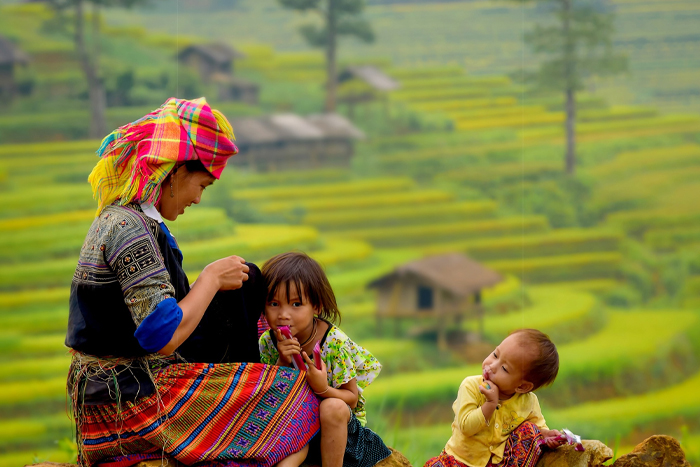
(522, 450)
(232, 414)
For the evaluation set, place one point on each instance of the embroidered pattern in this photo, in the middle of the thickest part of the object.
(127, 255)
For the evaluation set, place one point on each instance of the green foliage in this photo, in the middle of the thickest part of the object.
(341, 14)
(579, 46)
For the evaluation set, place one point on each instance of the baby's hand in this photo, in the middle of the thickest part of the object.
(553, 438)
(286, 348)
(317, 377)
(490, 390)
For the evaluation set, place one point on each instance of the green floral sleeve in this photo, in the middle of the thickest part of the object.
(268, 350)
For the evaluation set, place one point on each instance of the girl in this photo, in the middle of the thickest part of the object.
(299, 296)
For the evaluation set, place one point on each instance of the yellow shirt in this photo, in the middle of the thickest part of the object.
(474, 439)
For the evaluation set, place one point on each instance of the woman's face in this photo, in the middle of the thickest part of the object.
(187, 188)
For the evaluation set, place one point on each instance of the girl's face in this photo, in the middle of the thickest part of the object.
(294, 311)
(187, 188)
(506, 366)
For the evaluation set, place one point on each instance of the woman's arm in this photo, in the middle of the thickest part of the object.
(225, 274)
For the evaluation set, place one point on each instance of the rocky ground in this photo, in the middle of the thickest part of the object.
(655, 451)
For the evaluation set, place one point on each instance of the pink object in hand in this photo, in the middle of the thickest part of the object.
(569, 438)
(317, 356)
(296, 359)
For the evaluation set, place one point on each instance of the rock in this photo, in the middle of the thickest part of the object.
(655, 451)
(396, 459)
(594, 455)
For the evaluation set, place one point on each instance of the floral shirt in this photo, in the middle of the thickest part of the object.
(344, 360)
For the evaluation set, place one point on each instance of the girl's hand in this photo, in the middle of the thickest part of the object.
(552, 438)
(316, 377)
(229, 272)
(490, 390)
(286, 348)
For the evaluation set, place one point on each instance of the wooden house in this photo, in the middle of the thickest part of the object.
(291, 142)
(10, 57)
(215, 64)
(441, 289)
(365, 83)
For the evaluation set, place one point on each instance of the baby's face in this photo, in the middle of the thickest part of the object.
(506, 366)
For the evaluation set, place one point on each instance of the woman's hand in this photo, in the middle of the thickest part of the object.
(229, 272)
(286, 348)
(316, 377)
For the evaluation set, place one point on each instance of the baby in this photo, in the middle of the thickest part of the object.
(498, 421)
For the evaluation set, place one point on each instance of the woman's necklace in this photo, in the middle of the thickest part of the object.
(311, 337)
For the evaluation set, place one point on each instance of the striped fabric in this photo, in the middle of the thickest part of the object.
(262, 325)
(522, 450)
(136, 158)
(237, 414)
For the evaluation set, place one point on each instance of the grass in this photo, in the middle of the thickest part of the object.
(355, 187)
(559, 313)
(341, 220)
(628, 340)
(32, 391)
(619, 416)
(437, 232)
(552, 243)
(22, 430)
(35, 368)
(561, 268)
(361, 201)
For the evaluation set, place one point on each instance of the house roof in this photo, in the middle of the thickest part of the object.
(291, 127)
(370, 75)
(9, 53)
(217, 52)
(335, 126)
(453, 272)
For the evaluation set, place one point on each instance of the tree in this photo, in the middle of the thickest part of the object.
(340, 18)
(577, 46)
(89, 60)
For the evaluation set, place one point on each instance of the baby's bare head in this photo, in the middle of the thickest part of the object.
(543, 363)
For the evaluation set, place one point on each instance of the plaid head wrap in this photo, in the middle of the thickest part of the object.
(136, 158)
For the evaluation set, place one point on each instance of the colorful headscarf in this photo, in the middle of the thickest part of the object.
(138, 156)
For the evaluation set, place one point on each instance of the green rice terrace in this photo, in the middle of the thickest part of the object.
(606, 262)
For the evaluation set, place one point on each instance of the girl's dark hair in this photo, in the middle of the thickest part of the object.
(545, 365)
(308, 277)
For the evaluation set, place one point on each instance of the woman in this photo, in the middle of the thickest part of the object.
(153, 370)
